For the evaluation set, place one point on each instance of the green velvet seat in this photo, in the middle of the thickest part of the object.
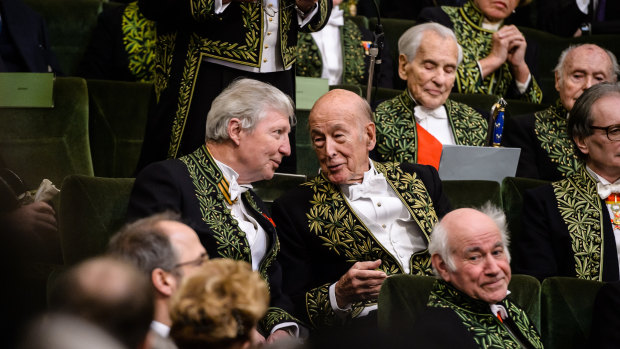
(307, 164)
(472, 193)
(118, 112)
(404, 297)
(91, 210)
(272, 189)
(353, 88)
(70, 24)
(48, 143)
(393, 29)
(566, 311)
(513, 189)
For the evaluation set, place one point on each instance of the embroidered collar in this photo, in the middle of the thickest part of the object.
(452, 295)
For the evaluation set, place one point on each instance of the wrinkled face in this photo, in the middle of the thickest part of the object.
(261, 150)
(584, 66)
(496, 10)
(603, 154)
(341, 136)
(190, 252)
(431, 74)
(482, 270)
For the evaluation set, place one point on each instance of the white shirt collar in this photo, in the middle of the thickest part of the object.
(231, 176)
(160, 329)
(422, 113)
(337, 17)
(372, 183)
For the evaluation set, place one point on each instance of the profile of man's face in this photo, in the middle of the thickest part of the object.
(187, 246)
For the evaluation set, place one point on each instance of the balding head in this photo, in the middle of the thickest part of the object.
(342, 133)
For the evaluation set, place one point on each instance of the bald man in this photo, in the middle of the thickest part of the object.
(546, 150)
(344, 231)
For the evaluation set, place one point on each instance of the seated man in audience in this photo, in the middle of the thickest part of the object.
(546, 150)
(572, 227)
(109, 293)
(357, 222)
(166, 251)
(469, 306)
(246, 138)
(413, 126)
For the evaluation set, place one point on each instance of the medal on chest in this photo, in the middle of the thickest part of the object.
(613, 202)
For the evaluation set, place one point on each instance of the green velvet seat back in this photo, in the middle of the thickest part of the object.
(307, 164)
(566, 308)
(48, 143)
(353, 88)
(393, 29)
(404, 297)
(92, 209)
(513, 189)
(472, 193)
(70, 24)
(118, 112)
(272, 189)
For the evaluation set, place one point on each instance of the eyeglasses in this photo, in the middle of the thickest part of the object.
(194, 263)
(613, 131)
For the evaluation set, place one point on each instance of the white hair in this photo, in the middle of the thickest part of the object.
(440, 244)
(410, 41)
(249, 101)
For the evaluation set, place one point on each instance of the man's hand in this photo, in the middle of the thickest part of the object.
(305, 5)
(36, 219)
(516, 55)
(507, 44)
(277, 335)
(361, 282)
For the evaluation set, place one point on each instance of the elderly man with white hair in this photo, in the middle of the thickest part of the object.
(246, 138)
(413, 126)
(469, 252)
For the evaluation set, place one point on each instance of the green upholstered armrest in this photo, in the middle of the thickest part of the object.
(525, 291)
(92, 209)
(472, 193)
(272, 189)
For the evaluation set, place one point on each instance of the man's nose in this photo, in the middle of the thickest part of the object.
(285, 146)
(491, 266)
(330, 147)
(589, 82)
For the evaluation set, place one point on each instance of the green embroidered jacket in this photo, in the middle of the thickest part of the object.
(485, 329)
(322, 236)
(191, 185)
(139, 37)
(396, 127)
(310, 62)
(466, 21)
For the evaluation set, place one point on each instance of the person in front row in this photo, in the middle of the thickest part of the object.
(470, 301)
(246, 139)
(413, 126)
(546, 150)
(344, 231)
(572, 227)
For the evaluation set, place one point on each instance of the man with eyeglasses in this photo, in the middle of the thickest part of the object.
(166, 251)
(546, 149)
(572, 227)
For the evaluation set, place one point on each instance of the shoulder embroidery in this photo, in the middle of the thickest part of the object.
(581, 209)
(468, 126)
(396, 130)
(353, 54)
(139, 39)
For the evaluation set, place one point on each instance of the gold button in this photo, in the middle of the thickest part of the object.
(383, 226)
(379, 204)
(265, 60)
(268, 33)
(266, 46)
(270, 19)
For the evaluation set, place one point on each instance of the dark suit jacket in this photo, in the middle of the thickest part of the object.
(189, 186)
(313, 260)
(545, 247)
(606, 317)
(24, 46)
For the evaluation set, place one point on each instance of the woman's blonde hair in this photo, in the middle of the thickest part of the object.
(219, 305)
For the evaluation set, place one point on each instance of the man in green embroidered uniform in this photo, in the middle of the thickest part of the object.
(494, 57)
(470, 302)
(428, 59)
(546, 150)
(344, 231)
(572, 227)
(246, 138)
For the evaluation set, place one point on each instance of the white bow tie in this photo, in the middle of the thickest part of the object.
(604, 190)
(236, 190)
(373, 184)
(422, 113)
(336, 18)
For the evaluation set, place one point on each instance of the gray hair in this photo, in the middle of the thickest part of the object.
(144, 244)
(440, 245)
(249, 101)
(580, 117)
(559, 68)
(410, 41)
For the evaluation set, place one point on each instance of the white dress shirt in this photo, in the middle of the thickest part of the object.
(611, 213)
(271, 56)
(435, 121)
(160, 329)
(329, 43)
(384, 214)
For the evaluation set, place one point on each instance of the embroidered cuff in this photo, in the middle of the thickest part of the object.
(522, 87)
(332, 301)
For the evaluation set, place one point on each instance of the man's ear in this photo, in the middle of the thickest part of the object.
(371, 134)
(402, 66)
(557, 81)
(163, 281)
(581, 144)
(234, 129)
(441, 266)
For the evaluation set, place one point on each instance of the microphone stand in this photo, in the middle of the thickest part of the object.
(375, 53)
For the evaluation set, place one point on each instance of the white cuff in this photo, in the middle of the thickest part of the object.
(332, 301)
(523, 86)
(219, 8)
(309, 16)
(291, 327)
(479, 68)
(583, 5)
